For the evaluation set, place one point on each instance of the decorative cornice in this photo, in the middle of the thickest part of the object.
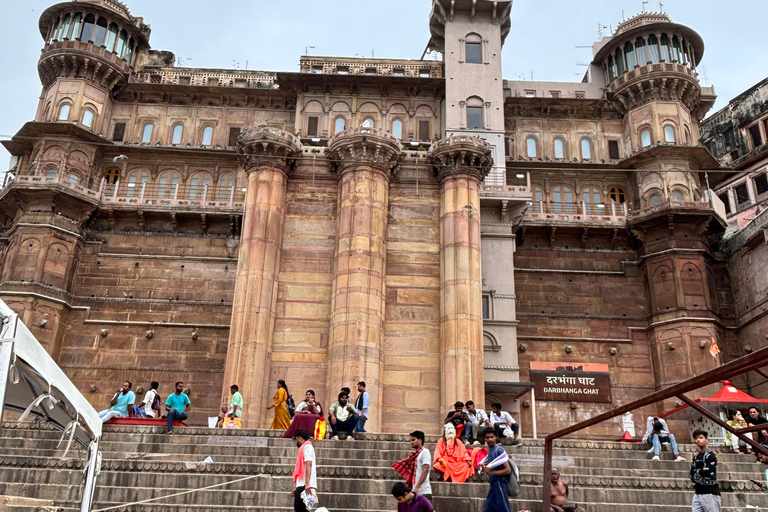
(364, 146)
(265, 146)
(461, 155)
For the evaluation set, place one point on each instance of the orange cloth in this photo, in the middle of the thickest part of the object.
(453, 460)
(282, 419)
(298, 468)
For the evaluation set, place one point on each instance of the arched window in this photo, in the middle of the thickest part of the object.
(618, 198)
(129, 54)
(168, 184)
(100, 32)
(74, 178)
(684, 53)
(368, 122)
(397, 128)
(645, 138)
(619, 62)
(176, 133)
(559, 148)
(629, 53)
(676, 51)
(88, 24)
(475, 118)
(207, 135)
(54, 32)
(339, 125)
(64, 34)
(669, 134)
(530, 147)
(136, 185)
(586, 149)
(473, 47)
(226, 187)
(51, 173)
(47, 113)
(77, 22)
(688, 55)
(563, 199)
(640, 51)
(592, 197)
(199, 183)
(538, 199)
(687, 136)
(111, 178)
(111, 37)
(88, 118)
(122, 43)
(677, 195)
(146, 133)
(654, 199)
(666, 51)
(64, 112)
(653, 49)
(611, 69)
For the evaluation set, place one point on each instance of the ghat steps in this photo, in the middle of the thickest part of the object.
(354, 476)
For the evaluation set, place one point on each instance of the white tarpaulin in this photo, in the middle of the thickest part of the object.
(32, 384)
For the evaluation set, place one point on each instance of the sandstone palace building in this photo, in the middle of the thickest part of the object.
(423, 225)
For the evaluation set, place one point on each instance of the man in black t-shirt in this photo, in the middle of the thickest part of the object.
(706, 496)
(457, 417)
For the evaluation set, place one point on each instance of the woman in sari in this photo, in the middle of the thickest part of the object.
(282, 419)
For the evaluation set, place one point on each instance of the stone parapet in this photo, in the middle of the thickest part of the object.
(266, 146)
(461, 155)
(364, 146)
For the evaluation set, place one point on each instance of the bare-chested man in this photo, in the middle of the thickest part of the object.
(559, 496)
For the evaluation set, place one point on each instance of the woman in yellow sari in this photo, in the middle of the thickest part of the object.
(282, 419)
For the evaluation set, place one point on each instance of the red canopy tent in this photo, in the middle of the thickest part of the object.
(728, 397)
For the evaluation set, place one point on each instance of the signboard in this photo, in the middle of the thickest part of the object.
(571, 382)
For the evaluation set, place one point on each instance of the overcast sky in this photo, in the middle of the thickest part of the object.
(272, 35)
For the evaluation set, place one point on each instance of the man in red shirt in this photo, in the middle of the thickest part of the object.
(408, 501)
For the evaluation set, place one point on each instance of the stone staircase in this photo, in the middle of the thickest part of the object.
(354, 476)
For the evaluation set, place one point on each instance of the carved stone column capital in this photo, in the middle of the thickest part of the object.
(461, 155)
(270, 147)
(362, 146)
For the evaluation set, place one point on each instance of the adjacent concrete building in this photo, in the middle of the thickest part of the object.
(422, 225)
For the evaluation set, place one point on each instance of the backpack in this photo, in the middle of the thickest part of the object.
(156, 402)
(513, 480)
(291, 404)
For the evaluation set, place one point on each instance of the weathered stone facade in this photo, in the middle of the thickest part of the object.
(424, 226)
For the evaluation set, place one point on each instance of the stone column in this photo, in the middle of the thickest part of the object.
(364, 159)
(461, 163)
(267, 156)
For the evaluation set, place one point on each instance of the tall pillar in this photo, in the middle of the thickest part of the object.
(461, 162)
(267, 156)
(364, 159)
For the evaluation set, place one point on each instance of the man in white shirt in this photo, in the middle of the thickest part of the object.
(504, 423)
(423, 466)
(477, 423)
(145, 409)
(305, 470)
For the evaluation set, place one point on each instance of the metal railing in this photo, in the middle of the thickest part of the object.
(735, 368)
(581, 208)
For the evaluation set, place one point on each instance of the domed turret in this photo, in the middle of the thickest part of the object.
(96, 40)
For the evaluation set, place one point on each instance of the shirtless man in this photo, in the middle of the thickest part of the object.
(559, 496)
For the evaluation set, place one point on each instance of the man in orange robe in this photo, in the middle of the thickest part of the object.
(452, 458)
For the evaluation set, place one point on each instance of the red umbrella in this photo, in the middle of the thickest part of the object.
(729, 397)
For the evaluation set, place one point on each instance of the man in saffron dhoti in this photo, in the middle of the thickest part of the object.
(452, 458)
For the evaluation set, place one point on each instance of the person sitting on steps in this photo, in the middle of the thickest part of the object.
(657, 432)
(343, 417)
(559, 494)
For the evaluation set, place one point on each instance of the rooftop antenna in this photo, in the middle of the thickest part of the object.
(622, 15)
(645, 2)
(307, 48)
(661, 7)
(372, 53)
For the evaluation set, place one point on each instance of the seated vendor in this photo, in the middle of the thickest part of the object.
(451, 457)
(309, 405)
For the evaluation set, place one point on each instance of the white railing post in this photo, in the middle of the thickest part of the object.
(142, 187)
(175, 191)
(231, 196)
(205, 193)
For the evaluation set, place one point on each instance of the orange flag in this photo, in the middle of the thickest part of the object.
(714, 349)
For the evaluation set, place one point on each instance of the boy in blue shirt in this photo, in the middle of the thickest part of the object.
(177, 406)
(121, 404)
